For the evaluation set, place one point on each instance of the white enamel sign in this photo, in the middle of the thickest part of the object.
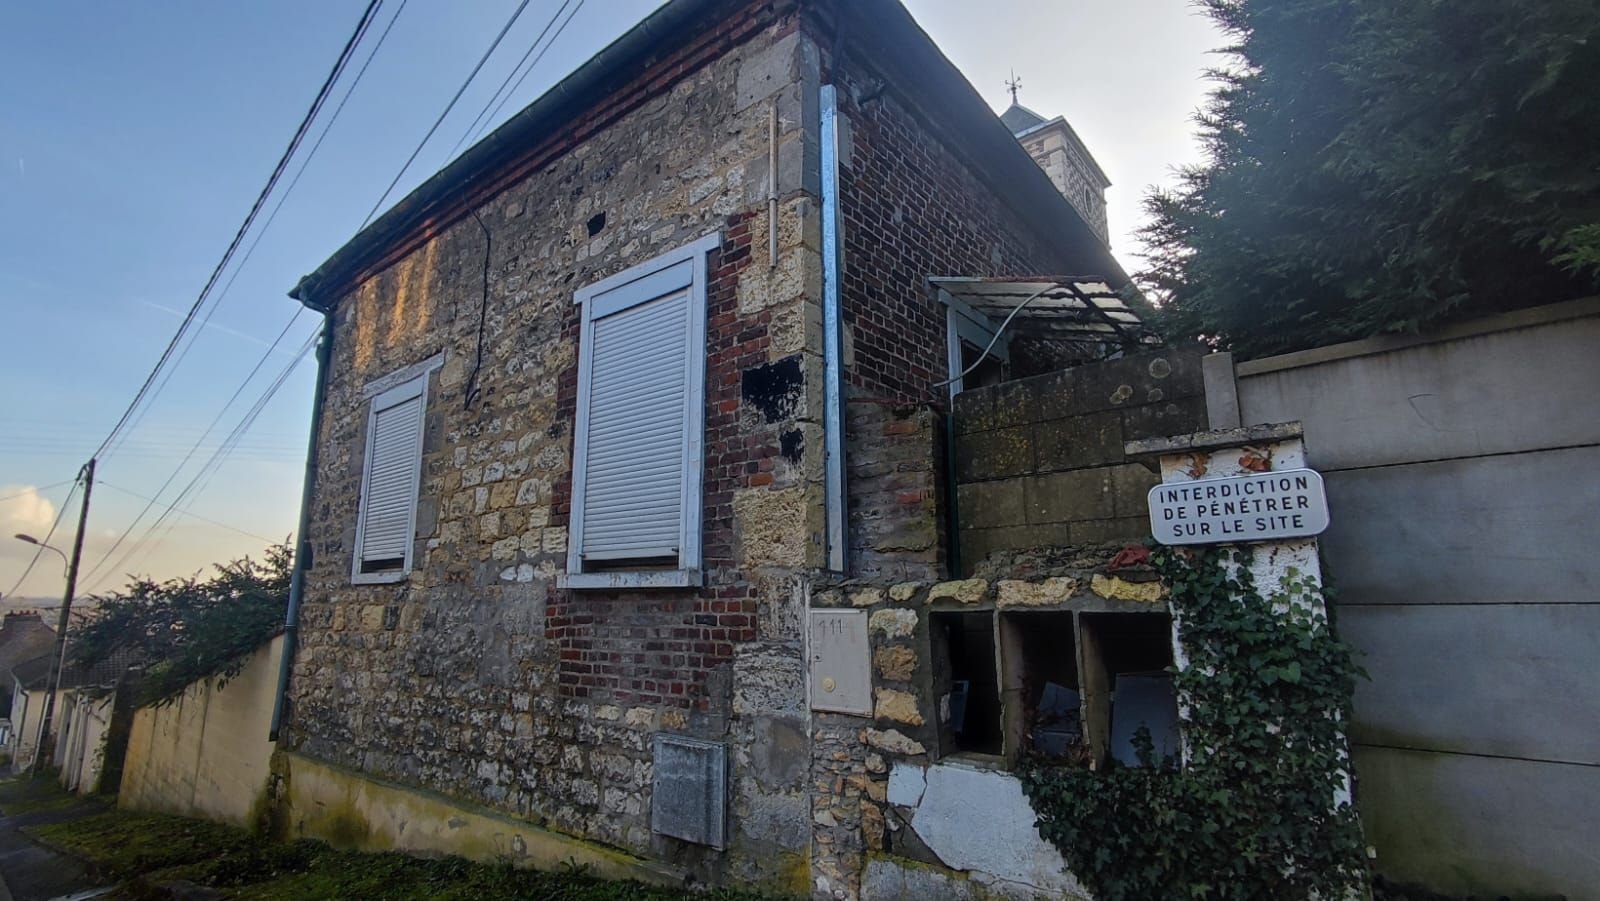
(1262, 506)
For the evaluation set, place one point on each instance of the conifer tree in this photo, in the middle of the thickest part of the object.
(1379, 166)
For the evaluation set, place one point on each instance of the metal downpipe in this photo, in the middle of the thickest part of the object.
(833, 335)
(302, 547)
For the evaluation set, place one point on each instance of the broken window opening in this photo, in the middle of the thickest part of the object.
(981, 370)
(967, 682)
(630, 564)
(1127, 685)
(1043, 704)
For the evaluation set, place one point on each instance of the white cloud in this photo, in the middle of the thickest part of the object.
(25, 510)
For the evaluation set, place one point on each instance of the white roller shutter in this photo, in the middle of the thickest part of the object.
(633, 493)
(390, 481)
(639, 448)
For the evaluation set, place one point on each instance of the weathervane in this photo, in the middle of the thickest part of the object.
(1014, 85)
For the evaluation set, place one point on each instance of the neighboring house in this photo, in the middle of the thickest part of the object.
(602, 400)
(24, 635)
(29, 680)
(88, 688)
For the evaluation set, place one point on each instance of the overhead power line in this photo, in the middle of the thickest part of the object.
(189, 513)
(41, 490)
(215, 421)
(255, 208)
(65, 503)
(515, 14)
(528, 71)
(273, 216)
(465, 135)
(232, 444)
(213, 463)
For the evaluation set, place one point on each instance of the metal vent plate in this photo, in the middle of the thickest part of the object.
(689, 800)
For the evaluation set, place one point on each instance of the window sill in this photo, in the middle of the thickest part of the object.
(665, 578)
(379, 578)
(976, 760)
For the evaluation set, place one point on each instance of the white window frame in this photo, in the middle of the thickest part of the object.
(594, 305)
(395, 388)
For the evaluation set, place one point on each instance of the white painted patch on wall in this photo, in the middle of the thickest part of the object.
(979, 821)
(906, 784)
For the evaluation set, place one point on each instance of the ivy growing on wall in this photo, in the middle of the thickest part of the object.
(1250, 814)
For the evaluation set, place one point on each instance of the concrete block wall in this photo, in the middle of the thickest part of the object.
(1039, 461)
(206, 753)
(1460, 477)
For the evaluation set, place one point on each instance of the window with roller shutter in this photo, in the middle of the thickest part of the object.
(390, 481)
(639, 439)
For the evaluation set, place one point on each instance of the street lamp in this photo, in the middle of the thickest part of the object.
(37, 543)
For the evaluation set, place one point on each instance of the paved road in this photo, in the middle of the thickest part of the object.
(31, 872)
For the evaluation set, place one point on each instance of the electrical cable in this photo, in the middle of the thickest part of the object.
(272, 217)
(216, 459)
(52, 486)
(448, 107)
(471, 393)
(997, 333)
(37, 551)
(507, 80)
(199, 441)
(255, 209)
(188, 513)
(202, 479)
(534, 65)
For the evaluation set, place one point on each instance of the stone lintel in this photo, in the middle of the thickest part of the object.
(1214, 440)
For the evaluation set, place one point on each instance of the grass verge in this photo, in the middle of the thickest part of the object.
(31, 794)
(150, 853)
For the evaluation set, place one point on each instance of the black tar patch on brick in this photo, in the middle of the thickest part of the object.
(774, 389)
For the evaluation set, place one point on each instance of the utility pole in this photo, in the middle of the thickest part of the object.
(58, 661)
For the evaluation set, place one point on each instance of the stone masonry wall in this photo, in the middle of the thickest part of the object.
(1039, 461)
(476, 677)
(894, 474)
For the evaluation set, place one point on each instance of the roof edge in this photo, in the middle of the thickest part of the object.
(558, 105)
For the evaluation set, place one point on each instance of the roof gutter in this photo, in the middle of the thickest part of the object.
(439, 202)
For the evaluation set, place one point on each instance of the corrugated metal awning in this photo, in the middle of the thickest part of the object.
(1049, 322)
(1062, 307)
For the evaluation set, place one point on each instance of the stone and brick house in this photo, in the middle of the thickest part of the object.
(611, 404)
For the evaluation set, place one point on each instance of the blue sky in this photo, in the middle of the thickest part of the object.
(133, 138)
